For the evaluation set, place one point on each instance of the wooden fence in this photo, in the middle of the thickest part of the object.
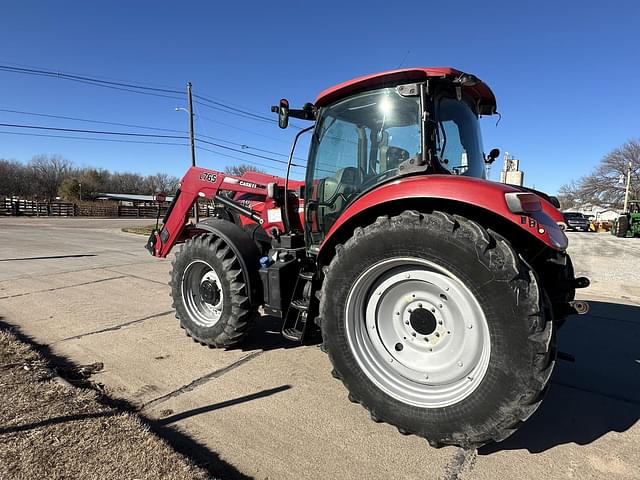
(35, 208)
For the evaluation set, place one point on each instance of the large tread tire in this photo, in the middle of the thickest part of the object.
(623, 226)
(518, 316)
(237, 312)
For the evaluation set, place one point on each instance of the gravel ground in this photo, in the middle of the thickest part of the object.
(612, 264)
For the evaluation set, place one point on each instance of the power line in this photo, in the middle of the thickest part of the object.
(242, 114)
(277, 168)
(248, 116)
(97, 132)
(99, 77)
(128, 134)
(140, 89)
(234, 109)
(143, 142)
(252, 132)
(68, 76)
(64, 117)
(47, 115)
(247, 153)
(92, 138)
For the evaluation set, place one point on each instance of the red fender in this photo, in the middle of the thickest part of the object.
(473, 191)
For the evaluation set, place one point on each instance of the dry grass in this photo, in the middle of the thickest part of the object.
(54, 431)
(146, 230)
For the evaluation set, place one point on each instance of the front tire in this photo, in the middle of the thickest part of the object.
(210, 292)
(623, 226)
(437, 326)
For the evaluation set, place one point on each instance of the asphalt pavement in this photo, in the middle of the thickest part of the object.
(270, 409)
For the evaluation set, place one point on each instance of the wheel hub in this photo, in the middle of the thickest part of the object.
(423, 321)
(418, 332)
(209, 292)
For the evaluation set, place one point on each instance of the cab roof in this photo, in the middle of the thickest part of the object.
(474, 87)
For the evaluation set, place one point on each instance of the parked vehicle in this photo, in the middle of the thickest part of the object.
(628, 224)
(437, 293)
(576, 221)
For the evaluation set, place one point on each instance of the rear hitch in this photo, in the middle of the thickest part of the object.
(579, 307)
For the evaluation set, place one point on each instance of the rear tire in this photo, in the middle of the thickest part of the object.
(209, 292)
(475, 384)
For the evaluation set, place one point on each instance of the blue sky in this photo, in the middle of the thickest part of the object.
(566, 74)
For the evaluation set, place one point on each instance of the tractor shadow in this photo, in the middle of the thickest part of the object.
(598, 394)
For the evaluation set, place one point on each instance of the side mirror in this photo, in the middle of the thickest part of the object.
(493, 154)
(283, 113)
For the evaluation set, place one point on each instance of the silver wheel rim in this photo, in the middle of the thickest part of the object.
(198, 277)
(417, 332)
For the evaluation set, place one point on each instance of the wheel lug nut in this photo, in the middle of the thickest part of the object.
(470, 326)
(414, 334)
(406, 322)
(460, 364)
(419, 305)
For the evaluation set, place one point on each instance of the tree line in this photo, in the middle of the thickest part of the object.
(605, 186)
(46, 177)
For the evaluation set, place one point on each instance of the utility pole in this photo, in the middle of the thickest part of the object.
(626, 193)
(193, 143)
(191, 134)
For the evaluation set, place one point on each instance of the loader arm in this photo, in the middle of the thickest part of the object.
(204, 183)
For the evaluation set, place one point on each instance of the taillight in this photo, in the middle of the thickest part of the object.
(523, 202)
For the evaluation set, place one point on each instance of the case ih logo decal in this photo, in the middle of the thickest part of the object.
(208, 177)
(250, 184)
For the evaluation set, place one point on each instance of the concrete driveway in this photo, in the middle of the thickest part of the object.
(271, 409)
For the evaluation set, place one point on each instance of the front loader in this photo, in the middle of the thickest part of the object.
(437, 293)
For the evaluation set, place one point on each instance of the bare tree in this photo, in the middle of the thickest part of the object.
(238, 170)
(15, 179)
(605, 186)
(49, 172)
(161, 182)
(127, 183)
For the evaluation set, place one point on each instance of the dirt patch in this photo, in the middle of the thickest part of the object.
(51, 429)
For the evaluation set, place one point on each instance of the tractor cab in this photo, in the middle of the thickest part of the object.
(375, 129)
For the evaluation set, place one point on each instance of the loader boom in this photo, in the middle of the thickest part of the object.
(205, 183)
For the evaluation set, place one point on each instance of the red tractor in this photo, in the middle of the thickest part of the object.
(437, 293)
